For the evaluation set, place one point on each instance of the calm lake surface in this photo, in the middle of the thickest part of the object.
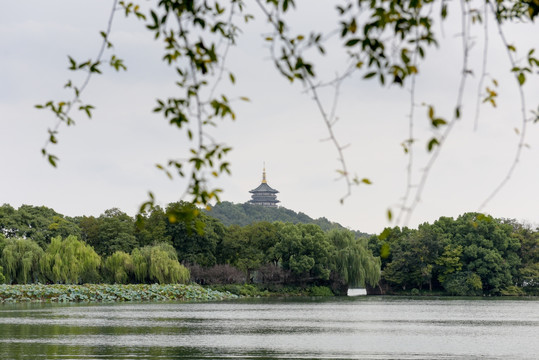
(306, 328)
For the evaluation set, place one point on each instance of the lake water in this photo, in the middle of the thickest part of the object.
(305, 328)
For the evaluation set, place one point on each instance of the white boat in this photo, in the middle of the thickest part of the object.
(356, 292)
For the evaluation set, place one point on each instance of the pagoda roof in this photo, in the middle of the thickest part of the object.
(264, 187)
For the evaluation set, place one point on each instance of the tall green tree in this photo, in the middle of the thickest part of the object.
(38, 223)
(70, 261)
(63, 227)
(305, 251)
(489, 250)
(20, 260)
(528, 275)
(158, 263)
(119, 268)
(353, 260)
(240, 248)
(152, 227)
(195, 241)
(112, 231)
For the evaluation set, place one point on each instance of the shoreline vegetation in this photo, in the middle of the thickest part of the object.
(473, 255)
(115, 293)
(109, 293)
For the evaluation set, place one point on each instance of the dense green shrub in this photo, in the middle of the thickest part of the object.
(320, 291)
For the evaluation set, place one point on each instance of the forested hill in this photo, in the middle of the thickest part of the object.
(244, 214)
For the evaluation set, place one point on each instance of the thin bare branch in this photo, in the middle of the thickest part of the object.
(523, 127)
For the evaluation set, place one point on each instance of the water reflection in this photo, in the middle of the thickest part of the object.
(368, 328)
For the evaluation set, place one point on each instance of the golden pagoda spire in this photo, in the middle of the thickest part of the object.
(264, 174)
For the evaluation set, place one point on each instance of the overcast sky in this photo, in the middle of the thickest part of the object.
(109, 161)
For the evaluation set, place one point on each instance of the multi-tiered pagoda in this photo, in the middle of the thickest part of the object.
(264, 195)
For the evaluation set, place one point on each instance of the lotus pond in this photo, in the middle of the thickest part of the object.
(109, 293)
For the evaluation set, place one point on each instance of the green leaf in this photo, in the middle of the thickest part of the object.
(352, 42)
(438, 121)
(389, 214)
(432, 143)
(366, 181)
(72, 63)
(369, 75)
(52, 160)
(521, 79)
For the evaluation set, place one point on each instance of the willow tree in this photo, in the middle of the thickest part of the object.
(20, 260)
(70, 261)
(158, 263)
(119, 267)
(353, 260)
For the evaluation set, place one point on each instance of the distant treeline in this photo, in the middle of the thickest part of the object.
(474, 254)
(38, 244)
(245, 214)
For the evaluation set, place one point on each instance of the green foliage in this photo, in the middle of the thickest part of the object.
(463, 284)
(353, 260)
(241, 248)
(195, 241)
(109, 293)
(112, 231)
(528, 274)
(158, 263)
(305, 250)
(246, 214)
(320, 291)
(513, 291)
(449, 261)
(471, 255)
(2, 277)
(38, 223)
(20, 260)
(140, 266)
(152, 227)
(70, 261)
(119, 267)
